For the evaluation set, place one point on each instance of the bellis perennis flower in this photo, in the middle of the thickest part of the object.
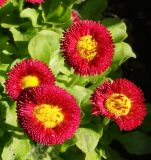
(88, 47)
(48, 114)
(26, 74)
(2, 2)
(35, 1)
(75, 16)
(121, 101)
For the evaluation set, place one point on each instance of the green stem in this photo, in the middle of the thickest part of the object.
(20, 5)
(94, 86)
(73, 80)
(100, 79)
(106, 121)
(6, 126)
(101, 127)
(41, 148)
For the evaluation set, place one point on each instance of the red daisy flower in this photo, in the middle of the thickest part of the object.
(35, 1)
(75, 16)
(88, 47)
(48, 114)
(2, 2)
(121, 101)
(26, 74)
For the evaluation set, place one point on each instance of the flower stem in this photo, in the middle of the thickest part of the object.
(6, 126)
(100, 128)
(106, 121)
(73, 80)
(41, 148)
(20, 5)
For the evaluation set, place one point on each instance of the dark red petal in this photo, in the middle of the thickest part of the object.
(24, 68)
(103, 38)
(122, 86)
(35, 1)
(2, 2)
(53, 95)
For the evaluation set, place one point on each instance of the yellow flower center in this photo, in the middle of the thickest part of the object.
(118, 104)
(87, 47)
(48, 115)
(29, 81)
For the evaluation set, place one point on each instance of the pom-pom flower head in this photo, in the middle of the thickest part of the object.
(121, 101)
(48, 114)
(26, 74)
(35, 1)
(2, 2)
(88, 47)
(75, 16)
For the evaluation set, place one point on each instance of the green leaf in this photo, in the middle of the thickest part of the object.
(5, 59)
(57, 12)
(10, 49)
(8, 8)
(92, 156)
(79, 1)
(73, 153)
(3, 40)
(2, 79)
(63, 79)
(22, 39)
(43, 45)
(107, 137)
(50, 5)
(14, 63)
(11, 117)
(87, 139)
(68, 144)
(66, 70)
(99, 79)
(11, 20)
(81, 94)
(39, 152)
(8, 114)
(23, 36)
(2, 112)
(56, 63)
(92, 9)
(17, 35)
(31, 14)
(146, 123)
(3, 140)
(102, 153)
(3, 69)
(1, 132)
(117, 28)
(69, 2)
(136, 142)
(112, 154)
(17, 149)
(123, 52)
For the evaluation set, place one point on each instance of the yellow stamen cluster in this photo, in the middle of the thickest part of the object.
(87, 47)
(29, 81)
(50, 116)
(118, 104)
